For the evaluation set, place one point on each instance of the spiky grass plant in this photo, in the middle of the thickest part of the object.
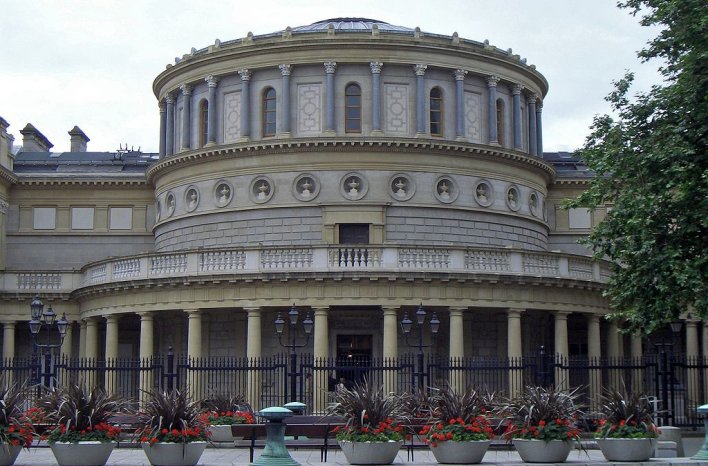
(371, 415)
(458, 416)
(543, 413)
(15, 427)
(171, 416)
(80, 414)
(626, 415)
(226, 409)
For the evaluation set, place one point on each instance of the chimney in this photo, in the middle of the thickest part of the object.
(33, 140)
(78, 140)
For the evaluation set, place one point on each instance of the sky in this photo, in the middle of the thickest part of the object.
(91, 63)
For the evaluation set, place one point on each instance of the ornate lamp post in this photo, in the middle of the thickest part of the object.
(46, 319)
(292, 341)
(407, 326)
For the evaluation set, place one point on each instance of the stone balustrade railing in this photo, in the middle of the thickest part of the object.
(320, 259)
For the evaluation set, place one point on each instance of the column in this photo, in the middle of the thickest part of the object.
(539, 129)
(163, 127)
(636, 352)
(330, 68)
(284, 129)
(457, 348)
(212, 82)
(194, 351)
(170, 131)
(531, 106)
(516, 92)
(460, 103)
(91, 350)
(514, 351)
(67, 345)
(613, 355)
(594, 355)
(186, 115)
(390, 346)
(8, 348)
(245, 103)
(693, 376)
(320, 380)
(253, 355)
(420, 99)
(82, 338)
(561, 345)
(111, 352)
(376, 97)
(146, 352)
(492, 117)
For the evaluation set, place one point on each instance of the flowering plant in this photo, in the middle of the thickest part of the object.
(227, 418)
(170, 416)
(384, 431)
(81, 415)
(15, 427)
(626, 415)
(541, 413)
(457, 430)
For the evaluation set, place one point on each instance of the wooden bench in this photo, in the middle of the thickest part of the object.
(304, 432)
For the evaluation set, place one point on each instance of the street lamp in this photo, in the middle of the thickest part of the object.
(292, 341)
(46, 318)
(407, 327)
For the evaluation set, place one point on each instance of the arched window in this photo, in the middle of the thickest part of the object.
(269, 112)
(203, 122)
(352, 109)
(500, 121)
(436, 112)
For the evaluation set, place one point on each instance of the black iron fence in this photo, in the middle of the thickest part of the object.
(676, 384)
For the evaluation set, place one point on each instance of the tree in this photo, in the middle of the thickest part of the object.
(652, 169)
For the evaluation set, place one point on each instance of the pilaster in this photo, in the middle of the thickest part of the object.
(284, 129)
(186, 115)
(163, 127)
(330, 68)
(492, 109)
(212, 83)
(245, 75)
(419, 70)
(375, 67)
(459, 75)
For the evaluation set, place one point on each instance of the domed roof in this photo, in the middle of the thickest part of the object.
(351, 25)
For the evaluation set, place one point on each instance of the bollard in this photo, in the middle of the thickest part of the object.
(703, 452)
(275, 453)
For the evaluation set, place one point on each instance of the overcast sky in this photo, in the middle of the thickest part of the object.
(91, 63)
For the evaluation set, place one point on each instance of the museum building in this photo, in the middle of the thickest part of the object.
(351, 168)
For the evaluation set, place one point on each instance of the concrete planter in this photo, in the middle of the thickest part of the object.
(8, 454)
(82, 453)
(174, 454)
(540, 451)
(627, 449)
(470, 452)
(220, 434)
(370, 452)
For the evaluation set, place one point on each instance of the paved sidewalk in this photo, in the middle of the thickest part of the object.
(232, 456)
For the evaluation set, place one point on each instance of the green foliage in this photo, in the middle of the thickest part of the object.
(652, 169)
(626, 415)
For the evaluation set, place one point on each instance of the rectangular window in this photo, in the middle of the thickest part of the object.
(82, 218)
(45, 218)
(121, 218)
(354, 233)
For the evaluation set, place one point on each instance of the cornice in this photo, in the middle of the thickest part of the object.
(181, 160)
(38, 180)
(581, 182)
(7, 177)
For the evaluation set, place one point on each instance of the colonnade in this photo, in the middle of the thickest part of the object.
(532, 121)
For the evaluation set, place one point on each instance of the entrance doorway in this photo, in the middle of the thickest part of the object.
(354, 354)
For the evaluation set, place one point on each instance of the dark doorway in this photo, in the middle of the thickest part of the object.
(353, 357)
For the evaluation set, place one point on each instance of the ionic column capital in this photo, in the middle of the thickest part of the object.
(146, 315)
(492, 81)
(561, 315)
(419, 69)
(514, 313)
(112, 318)
(285, 69)
(375, 67)
(186, 89)
(245, 74)
(193, 313)
(212, 80)
(459, 74)
(330, 67)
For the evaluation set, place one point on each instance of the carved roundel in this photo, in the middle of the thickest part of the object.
(513, 198)
(484, 193)
(191, 198)
(262, 189)
(170, 204)
(534, 204)
(353, 186)
(401, 187)
(306, 187)
(223, 193)
(446, 190)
